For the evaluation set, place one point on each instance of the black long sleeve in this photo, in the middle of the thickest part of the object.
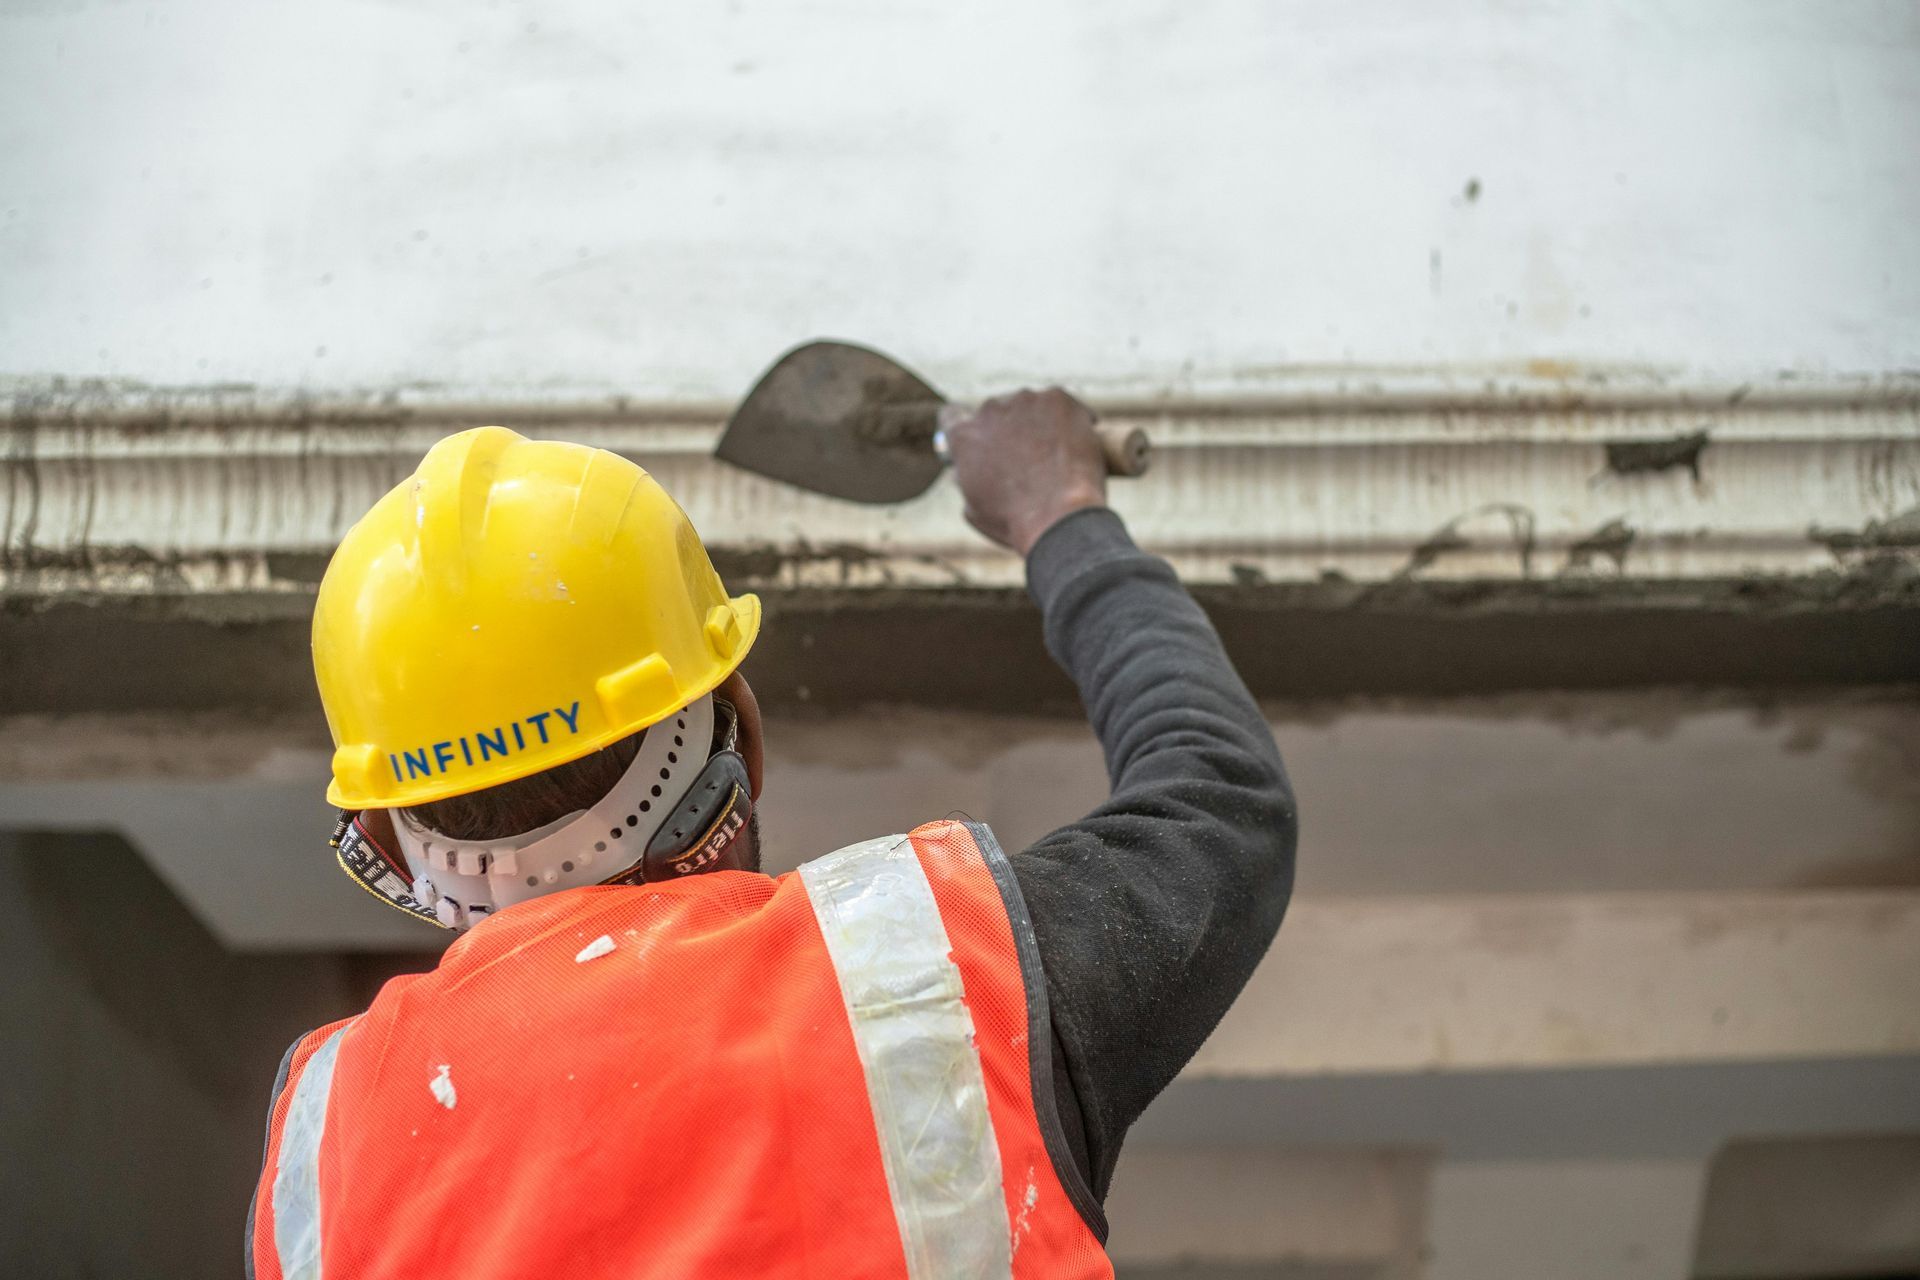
(1152, 911)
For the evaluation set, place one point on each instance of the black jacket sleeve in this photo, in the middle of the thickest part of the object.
(1151, 912)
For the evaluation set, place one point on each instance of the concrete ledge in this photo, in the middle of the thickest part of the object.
(237, 492)
(981, 650)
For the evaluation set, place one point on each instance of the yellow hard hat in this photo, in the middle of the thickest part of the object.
(512, 605)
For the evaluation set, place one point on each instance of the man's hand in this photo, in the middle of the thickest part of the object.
(1023, 461)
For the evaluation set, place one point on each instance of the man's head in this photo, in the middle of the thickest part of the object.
(524, 632)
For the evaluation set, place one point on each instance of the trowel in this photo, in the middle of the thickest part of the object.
(840, 419)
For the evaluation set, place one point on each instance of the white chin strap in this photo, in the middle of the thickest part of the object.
(464, 881)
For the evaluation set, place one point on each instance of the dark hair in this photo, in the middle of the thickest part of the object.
(527, 804)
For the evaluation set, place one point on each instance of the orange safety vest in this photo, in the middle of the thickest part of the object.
(839, 1072)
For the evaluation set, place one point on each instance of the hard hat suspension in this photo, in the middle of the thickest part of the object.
(682, 807)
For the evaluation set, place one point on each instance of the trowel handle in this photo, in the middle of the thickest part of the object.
(1127, 450)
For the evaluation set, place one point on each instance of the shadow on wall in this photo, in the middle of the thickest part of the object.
(137, 1056)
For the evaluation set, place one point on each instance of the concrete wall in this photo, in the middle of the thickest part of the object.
(1144, 194)
(136, 1056)
(1842, 1205)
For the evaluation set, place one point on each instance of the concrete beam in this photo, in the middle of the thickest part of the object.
(1595, 793)
(1526, 981)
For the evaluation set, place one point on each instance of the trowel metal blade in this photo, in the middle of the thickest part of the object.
(838, 419)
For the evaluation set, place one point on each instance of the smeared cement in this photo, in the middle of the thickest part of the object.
(442, 1087)
(600, 946)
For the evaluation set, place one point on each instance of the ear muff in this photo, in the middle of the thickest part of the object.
(708, 829)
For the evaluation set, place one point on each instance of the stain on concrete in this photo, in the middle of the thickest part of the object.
(1442, 541)
(1707, 924)
(21, 519)
(1519, 931)
(1247, 575)
(1897, 533)
(1567, 1037)
(1804, 738)
(305, 568)
(1611, 540)
(1870, 871)
(1448, 539)
(1649, 457)
(135, 410)
(766, 564)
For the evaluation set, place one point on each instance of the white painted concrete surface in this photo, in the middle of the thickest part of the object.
(1138, 194)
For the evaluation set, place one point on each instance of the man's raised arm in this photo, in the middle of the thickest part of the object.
(1153, 910)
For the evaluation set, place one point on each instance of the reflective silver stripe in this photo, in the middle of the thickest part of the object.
(915, 1039)
(296, 1183)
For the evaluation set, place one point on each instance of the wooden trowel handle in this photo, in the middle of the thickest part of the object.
(1127, 450)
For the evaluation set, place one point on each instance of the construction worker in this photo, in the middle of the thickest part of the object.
(642, 1057)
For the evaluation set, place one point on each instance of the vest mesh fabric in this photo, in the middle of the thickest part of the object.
(689, 1102)
(1050, 1238)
